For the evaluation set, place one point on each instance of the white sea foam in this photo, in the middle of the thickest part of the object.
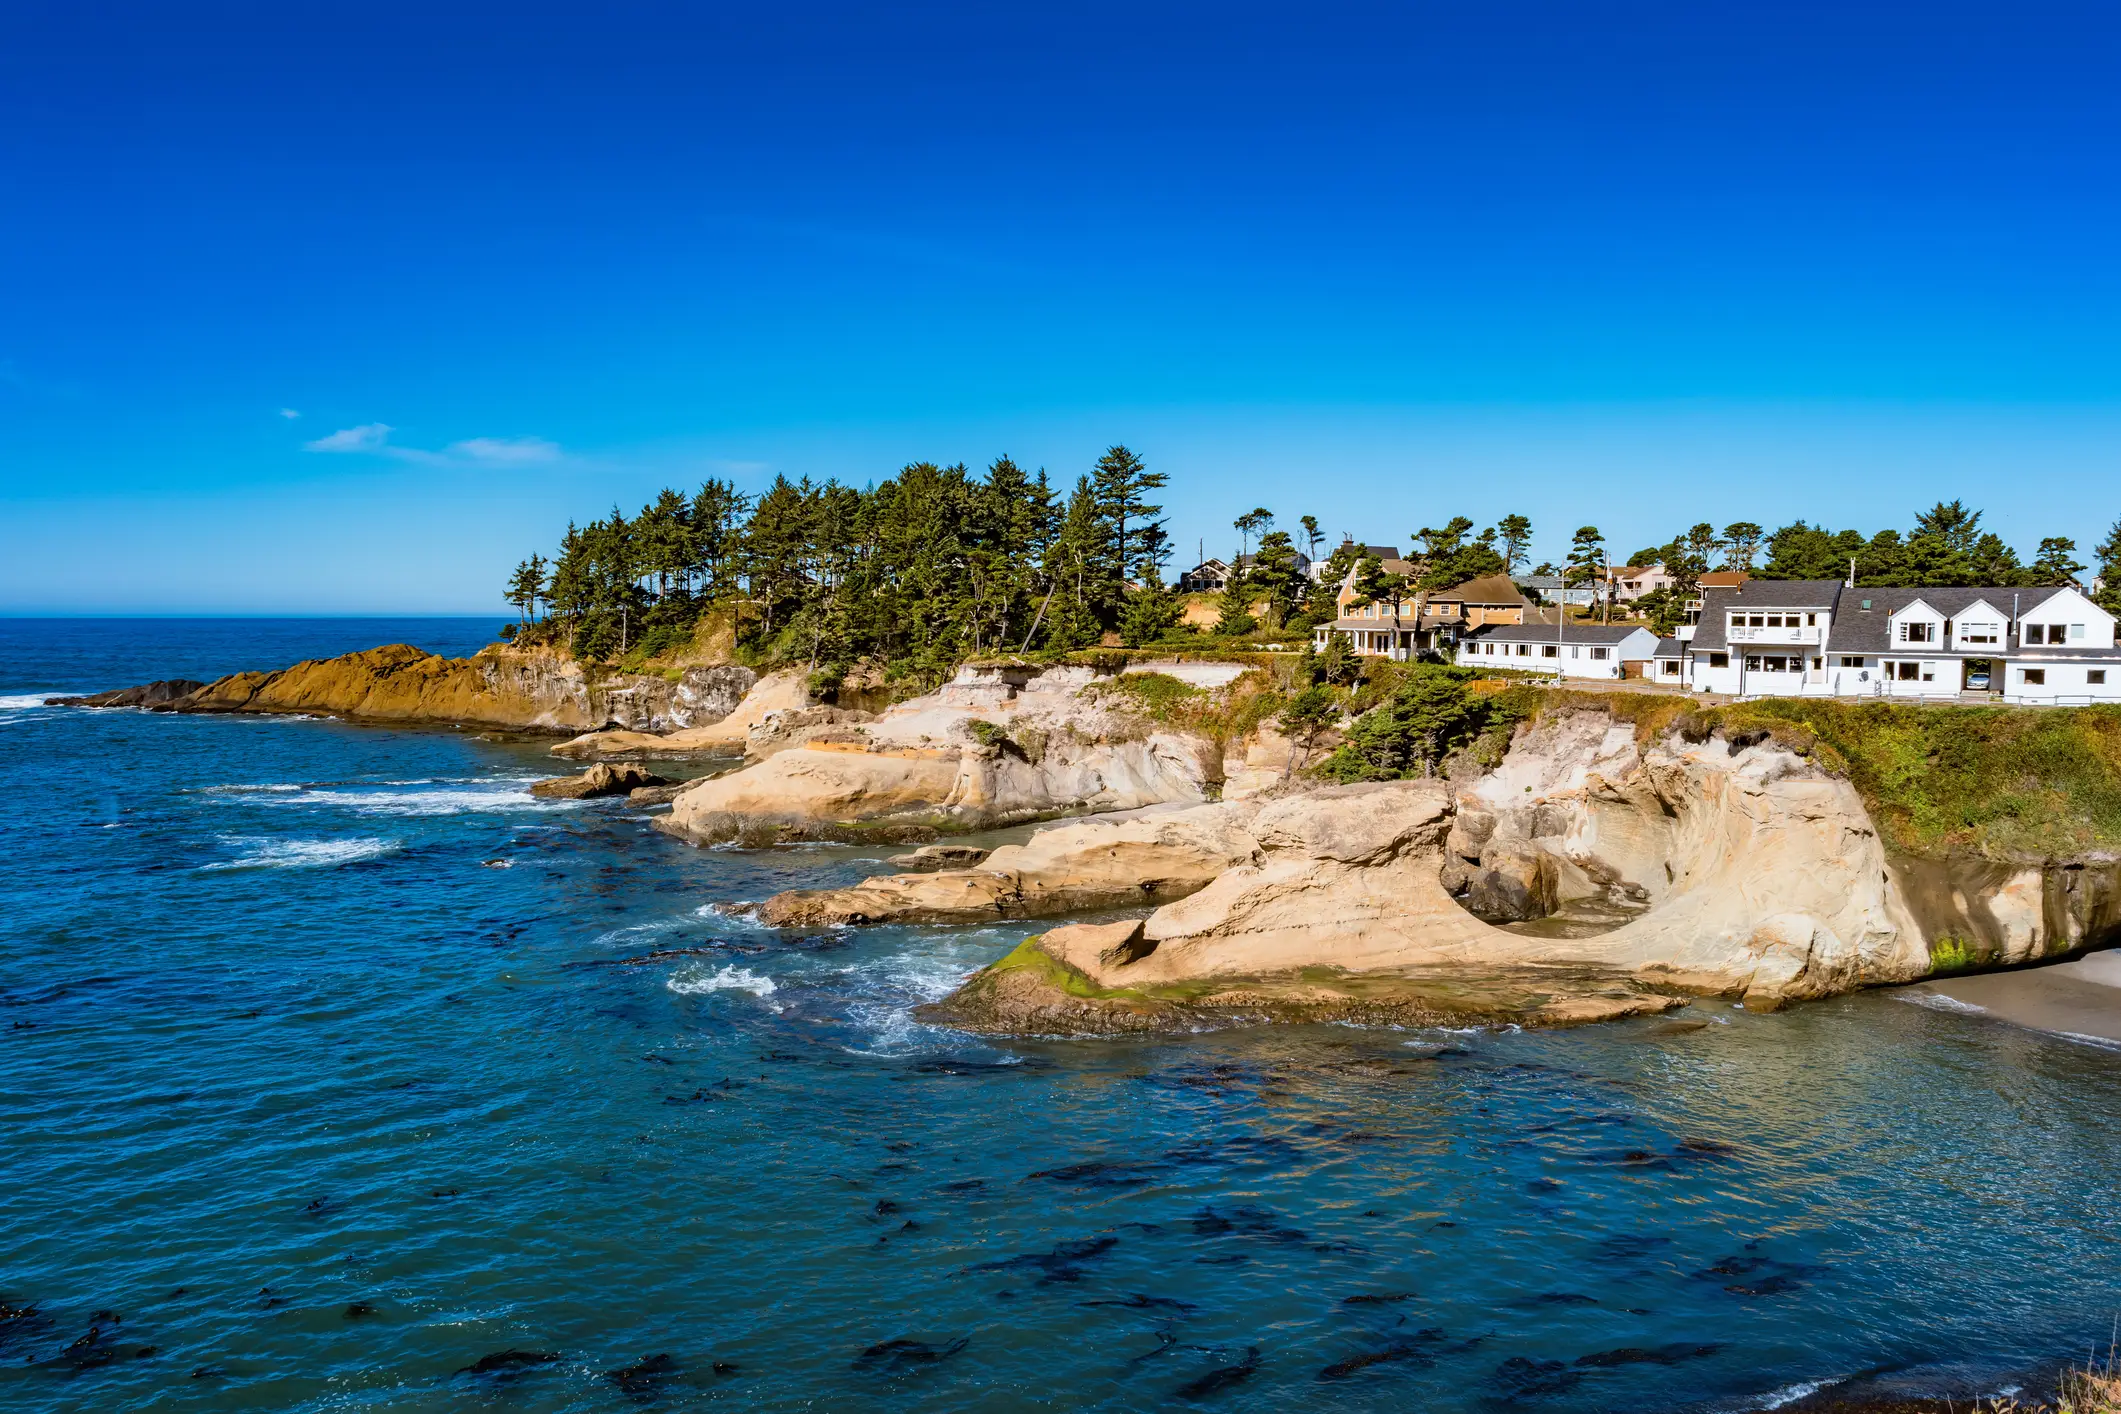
(300, 854)
(694, 983)
(17, 701)
(488, 796)
(1937, 1001)
(1790, 1394)
(269, 788)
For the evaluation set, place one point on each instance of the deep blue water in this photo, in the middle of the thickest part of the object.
(308, 1103)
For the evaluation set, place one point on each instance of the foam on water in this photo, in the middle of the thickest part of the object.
(723, 979)
(491, 796)
(1790, 1394)
(1937, 1001)
(18, 701)
(300, 854)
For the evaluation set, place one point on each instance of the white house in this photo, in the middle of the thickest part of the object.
(1570, 650)
(1821, 638)
(1763, 636)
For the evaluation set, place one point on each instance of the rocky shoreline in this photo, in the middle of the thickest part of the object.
(1596, 870)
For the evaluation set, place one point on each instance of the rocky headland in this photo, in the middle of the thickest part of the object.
(1610, 861)
(534, 689)
(1597, 871)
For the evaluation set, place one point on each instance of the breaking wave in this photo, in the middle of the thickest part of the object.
(300, 854)
(723, 979)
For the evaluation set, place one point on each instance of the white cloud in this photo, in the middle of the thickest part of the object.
(289, 413)
(368, 437)
(507, 451)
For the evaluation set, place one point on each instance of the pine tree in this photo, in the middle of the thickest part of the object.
(1514, 534)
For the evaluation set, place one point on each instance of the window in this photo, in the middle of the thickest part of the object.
(1575, 652)
(2076, 630)
(1818, 662)
(1774, 621)
(1907, 672)
(1669, 667)
(2034, 677)
(2096, 677)
(1850, 660)
(1601, 654)
(1752, 662)
(1758, 621)
(1548, 650)
(1811, 620)
(1719, 660)
(1524, 650)
(1977, 633)
(1918, 633)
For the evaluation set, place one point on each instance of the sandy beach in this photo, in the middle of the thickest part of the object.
(2081, 998)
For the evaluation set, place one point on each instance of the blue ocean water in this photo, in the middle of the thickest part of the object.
(333, 1063)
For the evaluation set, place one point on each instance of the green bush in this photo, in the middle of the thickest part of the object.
(1434, 713)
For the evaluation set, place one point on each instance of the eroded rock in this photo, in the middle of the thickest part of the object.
(602, 779)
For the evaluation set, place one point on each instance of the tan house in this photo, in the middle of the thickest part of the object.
(1427, 621)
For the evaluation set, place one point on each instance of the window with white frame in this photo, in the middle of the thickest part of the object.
(1918, 631)
(1601, 654)
(2033, 677)
(1978, 632)
(1851, 660)
(2095, 677)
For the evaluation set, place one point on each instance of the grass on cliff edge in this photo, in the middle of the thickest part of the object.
(2003, 782)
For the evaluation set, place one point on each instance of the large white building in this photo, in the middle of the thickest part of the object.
(1822, 638)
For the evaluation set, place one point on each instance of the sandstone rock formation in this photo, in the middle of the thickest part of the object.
(501, 686)
(599, 780)
(1753, 872)
(990, 748)
(1149, 858)
(931, 857)
(725, 735)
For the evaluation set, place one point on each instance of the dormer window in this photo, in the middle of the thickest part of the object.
(1918, 631)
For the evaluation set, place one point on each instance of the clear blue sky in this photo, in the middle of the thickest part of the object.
(1632, 264)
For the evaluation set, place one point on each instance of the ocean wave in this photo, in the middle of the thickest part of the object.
(724, 979)
(273, 787)
(452, 798)
(17, 701)
(1790, 1394)
(300, 854)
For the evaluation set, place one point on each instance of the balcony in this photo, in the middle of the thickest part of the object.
(1776, 635)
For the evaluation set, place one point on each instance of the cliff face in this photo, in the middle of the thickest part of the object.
(1747, 870)
(974, 755)
(498, 687)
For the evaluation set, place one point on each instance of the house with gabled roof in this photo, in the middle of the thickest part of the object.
(1426, 621)
(1822, 638)
(1569, 650)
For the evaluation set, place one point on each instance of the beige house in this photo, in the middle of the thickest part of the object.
(1428, 621)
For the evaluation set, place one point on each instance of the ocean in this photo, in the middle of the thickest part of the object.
(341, 1074)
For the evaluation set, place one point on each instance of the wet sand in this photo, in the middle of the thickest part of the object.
(2081, 998)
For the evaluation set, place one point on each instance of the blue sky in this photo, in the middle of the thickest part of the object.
(1630, 264)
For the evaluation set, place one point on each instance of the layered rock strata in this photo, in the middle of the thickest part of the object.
(986, 750)
(526, 689)
(1752, 873)
(1092, 864)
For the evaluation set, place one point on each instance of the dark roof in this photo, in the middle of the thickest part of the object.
(1860, 630)
(1669, 648)
(1759, 594)
(1545, 633)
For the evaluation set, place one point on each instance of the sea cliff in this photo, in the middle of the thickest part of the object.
(524, 689)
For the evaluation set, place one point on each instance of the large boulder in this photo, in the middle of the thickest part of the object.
(153, 694)
(724, 735)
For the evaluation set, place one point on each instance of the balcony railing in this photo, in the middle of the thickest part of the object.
(1775, 635)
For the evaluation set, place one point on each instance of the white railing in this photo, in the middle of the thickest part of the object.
(1774, 635)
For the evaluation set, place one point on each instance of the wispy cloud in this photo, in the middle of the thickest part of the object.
(368, 437)
(507, 451)
(289, 413)
(373, 438)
